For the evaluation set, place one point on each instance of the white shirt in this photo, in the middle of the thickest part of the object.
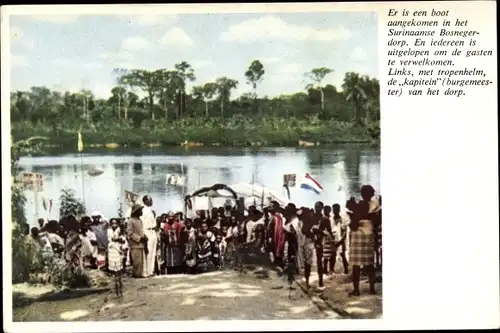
(210, 236)
(250, 228)
(91, 235)
(148, 219)
(128, 212)
(55, 238)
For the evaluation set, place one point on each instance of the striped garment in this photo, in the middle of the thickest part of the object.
(204, 255)
(329, 243)
(340, 230)
(361, 245)
(173, 256)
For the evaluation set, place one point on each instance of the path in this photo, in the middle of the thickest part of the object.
(218, 295)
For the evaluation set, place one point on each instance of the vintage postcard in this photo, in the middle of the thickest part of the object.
(192, 163)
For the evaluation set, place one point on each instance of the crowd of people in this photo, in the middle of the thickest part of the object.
(169, 243)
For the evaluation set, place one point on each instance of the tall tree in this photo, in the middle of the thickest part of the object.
(316, 76)
(209, 90)
(169, 82)
(184, 72)
(87, 98)
(118, 97)
(371, 103)
(354, 88)
(147, 81)
(255, 75)
(224, 87)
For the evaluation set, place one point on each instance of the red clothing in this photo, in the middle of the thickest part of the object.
(174, 238)
(279, 236)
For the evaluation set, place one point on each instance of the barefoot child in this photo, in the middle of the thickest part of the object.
(115, 254)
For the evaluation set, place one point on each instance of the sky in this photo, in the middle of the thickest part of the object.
(68, 52)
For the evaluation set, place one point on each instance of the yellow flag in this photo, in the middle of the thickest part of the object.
(80, 142)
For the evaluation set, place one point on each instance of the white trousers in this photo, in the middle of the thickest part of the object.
(149, 263)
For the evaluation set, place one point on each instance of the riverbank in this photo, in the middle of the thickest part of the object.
(262, 134)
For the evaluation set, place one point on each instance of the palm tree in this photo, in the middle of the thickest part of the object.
(355, 90)
(224, 87)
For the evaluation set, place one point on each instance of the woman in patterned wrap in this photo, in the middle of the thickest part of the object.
(361, 245)
(205, 248)
(328, 242)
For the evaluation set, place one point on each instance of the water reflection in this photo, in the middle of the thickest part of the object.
(146, 174)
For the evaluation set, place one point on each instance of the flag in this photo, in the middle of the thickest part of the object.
(131, 197)
(175, 179)
(80, 142)
(44, 203)
(311, 184)
(50, 205)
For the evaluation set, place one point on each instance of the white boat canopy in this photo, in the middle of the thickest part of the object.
(220, 195)
(260, 193)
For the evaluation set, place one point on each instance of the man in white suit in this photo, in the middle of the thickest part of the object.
(149, 223)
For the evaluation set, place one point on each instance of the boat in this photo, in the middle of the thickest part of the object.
(219, 195)
(95, 171)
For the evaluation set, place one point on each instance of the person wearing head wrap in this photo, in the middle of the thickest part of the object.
(361, 245)
(88, 238)
(100, 228)
(137, 240)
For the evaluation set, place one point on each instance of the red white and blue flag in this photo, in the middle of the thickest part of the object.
(311, 184)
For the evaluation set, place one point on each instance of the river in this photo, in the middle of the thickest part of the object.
(143, 171)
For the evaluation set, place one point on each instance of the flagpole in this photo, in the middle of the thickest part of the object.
(253, 189)
(80, 150)
(83, 180)
(183, 182)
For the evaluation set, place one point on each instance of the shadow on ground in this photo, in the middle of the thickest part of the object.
(255, 293)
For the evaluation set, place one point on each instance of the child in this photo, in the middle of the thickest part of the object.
(219, 252)
(116, 240)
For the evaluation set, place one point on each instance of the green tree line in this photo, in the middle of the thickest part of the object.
(169, 114)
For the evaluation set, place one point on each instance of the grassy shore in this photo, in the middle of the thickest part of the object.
(285, 134)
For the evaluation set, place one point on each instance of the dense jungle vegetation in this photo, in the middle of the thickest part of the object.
(207, 114)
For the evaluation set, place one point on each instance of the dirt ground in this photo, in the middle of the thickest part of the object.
(258, 294)
(336, 297)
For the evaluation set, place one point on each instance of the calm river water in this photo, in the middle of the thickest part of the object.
(143, 171)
